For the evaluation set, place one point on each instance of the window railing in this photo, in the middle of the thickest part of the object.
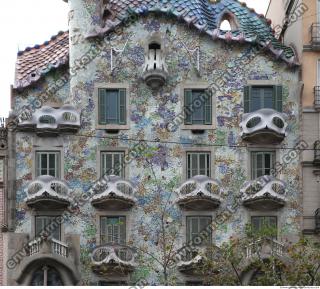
(317, 217)
(317, 152)
(317, 96)
(315, 34)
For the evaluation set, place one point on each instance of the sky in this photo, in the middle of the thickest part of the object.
(28, 22)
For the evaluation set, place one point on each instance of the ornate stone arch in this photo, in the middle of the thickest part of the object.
(68, 274)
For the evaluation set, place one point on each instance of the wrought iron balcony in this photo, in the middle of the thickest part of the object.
(47, 192)
(264, 126)
(113, 258)
(317, 217)
(48, 246)
(317, 97)
(265, 193)
(115, 194)
(199, 193)
(315, 35)
(48, 121)
(265, 248)
(316, 160)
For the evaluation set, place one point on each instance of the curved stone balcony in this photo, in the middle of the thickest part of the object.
(191, 261)
(155, 74)
(48, 121)
(199, 193)
(113, 258)
(265, 193)
(117, 194)
(264, 126)
(47, 192)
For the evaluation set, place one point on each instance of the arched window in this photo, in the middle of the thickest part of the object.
(228, 22)
(46, 276)
(225, 25)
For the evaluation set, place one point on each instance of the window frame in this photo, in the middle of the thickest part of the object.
(277, 96)
(198, 217)
(198, 153)
(51, 217)
(197, 86)
(253, 166)
(102, 161)
(58, 158)
(264, 217)
(112, 86)
(119, 233)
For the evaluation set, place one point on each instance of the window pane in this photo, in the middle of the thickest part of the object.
(262, 163)
(261, 97)
(48, 224)
(113, 230)
(112, 163)
(44, 164)
(113, 106)
(194, 163)
(198, 115)
(196, 225)
(48, 164)
(198, 164)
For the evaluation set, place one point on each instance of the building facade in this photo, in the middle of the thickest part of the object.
(142, 126)
(298, 26)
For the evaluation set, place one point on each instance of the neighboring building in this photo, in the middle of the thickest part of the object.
(111, 92)
(302, 32)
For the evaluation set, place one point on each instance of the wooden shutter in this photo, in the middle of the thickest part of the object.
(122, 106)
(208, 108)
(277, 95)
(187, 106)
(246, 98)
(102, 106)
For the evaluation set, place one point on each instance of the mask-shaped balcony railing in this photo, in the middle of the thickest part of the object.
(115, 194)
(265, 248)
(48, 121)
(264, 126)
(113, 258)
(200, 193)
(316, 160)
(315, 35)
(264, 193)
(47, 192)
(191, 261)
(155, 74)
(317, 218)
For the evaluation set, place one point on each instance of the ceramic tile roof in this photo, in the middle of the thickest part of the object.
(205, 15)
(34, 62)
